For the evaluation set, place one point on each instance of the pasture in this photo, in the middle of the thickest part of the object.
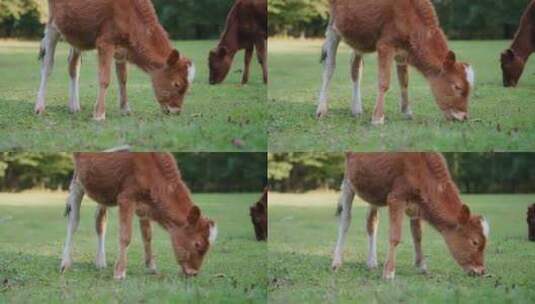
(32, 232)
(500, 118)
(303, 234)
(227, 117)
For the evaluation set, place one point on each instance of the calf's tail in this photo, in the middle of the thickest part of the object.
(345, 188)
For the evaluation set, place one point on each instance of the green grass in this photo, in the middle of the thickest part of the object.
(303, 234)
(501, 119)
(32, 232)
(214, 118)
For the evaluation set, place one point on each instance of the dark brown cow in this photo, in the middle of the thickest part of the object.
(150, 185)
(418, 184)
(124, 30)
(245, 28)
(259, 217)
(404, 31)
(513, 60)
(531, 222)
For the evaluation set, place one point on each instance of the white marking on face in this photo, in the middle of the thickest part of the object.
(461, 116)
(470, 75)
(485, 227)
(173, 110)
(212, 234)
(191, 73)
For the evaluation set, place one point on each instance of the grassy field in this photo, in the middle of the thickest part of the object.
(32, 231)
(226, 117)
(303, 234)
(501, 119)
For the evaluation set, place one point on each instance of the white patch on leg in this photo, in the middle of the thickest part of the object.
(485, 227)
(346, 201)
(372, 251)
(212, 236)
(470, 75)
(191, 73)
(356, 105)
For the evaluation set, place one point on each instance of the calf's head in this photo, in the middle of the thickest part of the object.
(451, 88)
(219, 62)
(192, 241)
(172, 81)
(512, 68)
(467, 241)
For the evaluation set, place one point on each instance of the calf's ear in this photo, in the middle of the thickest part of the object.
(194, 215)
(464, 215)
(222, 51)
(450, 60)
(173, 57)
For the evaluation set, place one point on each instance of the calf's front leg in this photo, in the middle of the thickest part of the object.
(246, 63)
(419, 259)
(74, 79)
(146, 233)
(396, 210)
(261, 54)
(126, 212)
(385, 54)
(372, 220)
(105, 57)
(356, 76)
(403, 78)
(100, 226)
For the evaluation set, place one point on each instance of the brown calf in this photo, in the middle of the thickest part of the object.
(420, 185)
(124, 30)
(405, 31)
(150, 185)
(259, 217)
(245, 28)
(531, 222)
(513, 60)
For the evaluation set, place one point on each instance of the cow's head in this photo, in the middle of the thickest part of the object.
(172, 81)
(192, 241)
(451, 88)
(259, 218)
(467, 241)
(219, 62)
(512, 68)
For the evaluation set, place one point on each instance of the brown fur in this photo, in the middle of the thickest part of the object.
(259, 217)
(245, 28)
(531, 222)
(407, 31)
(420, 185)
(149, 184)
(513, 60)
(124, 29)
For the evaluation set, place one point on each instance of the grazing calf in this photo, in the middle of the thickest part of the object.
(531, 222)
(150, 185)
(405, 31)
(259, 217)
(513, 60)
(420, 185)
(124, 30)
(245, 28)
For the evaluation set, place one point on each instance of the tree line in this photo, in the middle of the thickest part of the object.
(183, 19)
(460, 19)
(203, 172)
(473, 172)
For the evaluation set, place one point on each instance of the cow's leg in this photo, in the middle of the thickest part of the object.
(121, 70)
(105, 57)
(48, 49)
(419, 259)
(76, 194)
(356, 75)
(126, 213)
(396, 209)
(100, 226)
(246, 63)
(261, 54)
(403, 78)
(346, 202)
(74, 79)
(146, 233)
(385, 54)
(372, 220)
(330, 46)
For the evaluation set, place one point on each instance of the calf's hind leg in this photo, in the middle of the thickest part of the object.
(356, 75)
(328, 57)
(76, 194)
(403, 78)
(126, 212)
(146, 233)
(419, 259)
(48, 49)
(346, 202)
(121, 70)
(100, 226)
(396, 209)
(74, 80)
(372, 220)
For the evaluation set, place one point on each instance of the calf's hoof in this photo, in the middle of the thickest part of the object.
(119, 275)
(100, 264)
(372, 264)
(422, 268)
(65, 264)
(378, 121)
(389, 275)
(39, 110)
(321, 112)
(125, 111)
(407, 114)
(336, 265)
(99, 117)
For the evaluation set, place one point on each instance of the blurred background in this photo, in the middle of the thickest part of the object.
(473, 172)
(203, 172)
(183, 19)
(460, 19)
